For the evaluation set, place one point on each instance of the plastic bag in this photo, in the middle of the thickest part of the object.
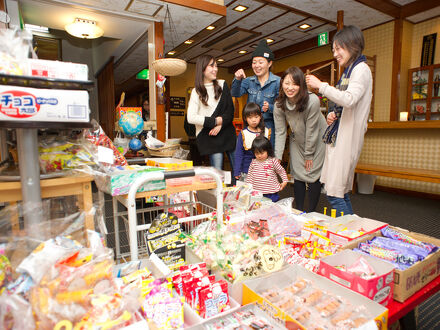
(121, 143)
(181, 154)
(152, 142)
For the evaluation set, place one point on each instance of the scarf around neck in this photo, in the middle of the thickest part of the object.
(331, 132)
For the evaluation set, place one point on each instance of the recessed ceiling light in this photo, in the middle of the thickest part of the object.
(242, 51)
(269, 40)
(220, 60)
(240, 8)
(172, 52)
(189, 41)
(304, 26)
(210, 27)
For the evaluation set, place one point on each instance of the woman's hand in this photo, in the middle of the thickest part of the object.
(313, 82)
(331, 117)
(215, 130)
(219, 121)
(308, 165)
(265, 106)
(239, 74)
(283, 185)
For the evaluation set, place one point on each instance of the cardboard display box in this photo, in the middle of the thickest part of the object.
(254, 287)
(170, 164)
(38, 104)
(56, 69)
(409, 281)
(378, 288)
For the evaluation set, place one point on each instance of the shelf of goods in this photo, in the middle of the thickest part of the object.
(14, 95)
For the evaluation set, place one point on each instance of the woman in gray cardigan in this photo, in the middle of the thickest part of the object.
(299, 109)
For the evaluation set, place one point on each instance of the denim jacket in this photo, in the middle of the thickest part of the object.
(256, 93)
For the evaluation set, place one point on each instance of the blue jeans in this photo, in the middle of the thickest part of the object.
(341, 204)
(216, 160)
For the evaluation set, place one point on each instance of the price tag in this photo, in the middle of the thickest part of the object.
(105, 155)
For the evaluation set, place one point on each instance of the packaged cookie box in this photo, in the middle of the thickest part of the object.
(170, 164)
(119, 182)
(378, 288)
(409, 281)
(297, 298)
(338, 229)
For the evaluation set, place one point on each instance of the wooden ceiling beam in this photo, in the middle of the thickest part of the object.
(201, 5)
(418, 6)
(387, 7)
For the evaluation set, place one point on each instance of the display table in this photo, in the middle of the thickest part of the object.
(397, 310)
(10, 192)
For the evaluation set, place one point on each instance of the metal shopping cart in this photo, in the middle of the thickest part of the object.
(198, 211)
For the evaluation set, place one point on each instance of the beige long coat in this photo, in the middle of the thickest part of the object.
(341, 159)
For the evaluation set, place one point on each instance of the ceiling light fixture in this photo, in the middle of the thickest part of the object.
(220, 60)
(269, 40)
(242, 52)
(189, 41)
(36, 28)
(240, 8)
(211, 27)
(304, 26)
(171, 52)
(84, 28)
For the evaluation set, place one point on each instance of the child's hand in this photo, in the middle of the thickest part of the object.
(237, 177)
(265, 106)
(308, 165)
(283, 185)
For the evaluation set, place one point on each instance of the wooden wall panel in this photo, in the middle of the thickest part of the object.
(106, 98)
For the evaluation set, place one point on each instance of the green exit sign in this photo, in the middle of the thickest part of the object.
(323, 39)
(144, 74)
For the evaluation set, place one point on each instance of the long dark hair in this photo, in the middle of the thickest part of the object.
(351, 39)
(252, 109)
(302, 98)
(261, 144)
(201, 64)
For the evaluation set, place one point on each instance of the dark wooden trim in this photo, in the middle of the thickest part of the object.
(422, 124)
(127, 7)
(201, 5)
(418, 6)
(387, 7)
(272, 19)
(395, 76)
(160, 108)
(412, 193)
(297, 11)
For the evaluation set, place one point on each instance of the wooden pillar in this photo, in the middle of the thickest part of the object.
(395, 75)
(339, 26)
(106, 98)
(160, 108)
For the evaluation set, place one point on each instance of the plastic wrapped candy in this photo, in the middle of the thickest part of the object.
(394, 234)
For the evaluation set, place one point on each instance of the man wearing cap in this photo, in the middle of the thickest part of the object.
(262, 88)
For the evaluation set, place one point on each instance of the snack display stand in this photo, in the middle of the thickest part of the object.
(27, 143)
(129, 202)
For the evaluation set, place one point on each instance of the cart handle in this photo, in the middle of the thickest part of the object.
(132, 219)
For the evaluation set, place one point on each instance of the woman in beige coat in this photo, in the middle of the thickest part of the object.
(347, 118)
(299, 109)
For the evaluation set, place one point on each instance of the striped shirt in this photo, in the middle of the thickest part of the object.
(263, 175)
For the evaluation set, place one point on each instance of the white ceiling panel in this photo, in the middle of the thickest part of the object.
(264, 14)
(146, 8)
(276, 24)
(232, 15)
(425, 15)
(354, 12)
